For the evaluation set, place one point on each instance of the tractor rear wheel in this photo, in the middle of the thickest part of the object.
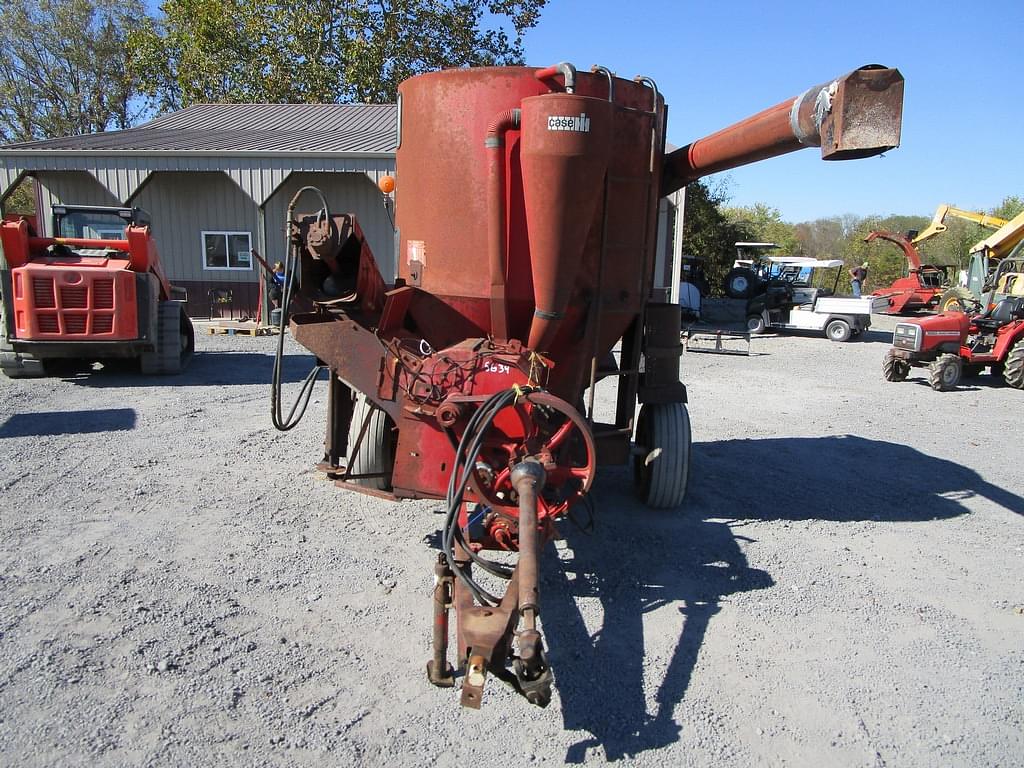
(661, 468)
(838, 330)
(740, 283)
(944, 372)
(894, 368)
(376, 452)
(954, 300)
(175, 341)
(1013, 371)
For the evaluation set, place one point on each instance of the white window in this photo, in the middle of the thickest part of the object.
(227, 250)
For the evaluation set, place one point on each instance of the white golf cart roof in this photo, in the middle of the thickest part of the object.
(806, 261)
(757, 245)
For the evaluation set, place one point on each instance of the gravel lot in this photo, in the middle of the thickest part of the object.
(844, 586)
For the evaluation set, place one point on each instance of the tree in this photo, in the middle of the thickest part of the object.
(64, 67)
(708, 233)
(1011, 206)
(283, 51)
(765, 223)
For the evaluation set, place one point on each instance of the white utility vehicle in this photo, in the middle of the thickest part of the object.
(811, 306)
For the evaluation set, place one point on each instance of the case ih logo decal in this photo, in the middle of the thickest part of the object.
(579, 124)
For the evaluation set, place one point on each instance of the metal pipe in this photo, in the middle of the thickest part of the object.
(527, 478)
(439, 671)
(564, 68)
(495, 146)
(856, 115)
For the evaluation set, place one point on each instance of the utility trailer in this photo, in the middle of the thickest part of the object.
(526, 208)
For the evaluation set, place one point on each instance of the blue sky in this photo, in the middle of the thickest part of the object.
(719, 62)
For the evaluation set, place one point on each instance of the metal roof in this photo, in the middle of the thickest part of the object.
(228, 128)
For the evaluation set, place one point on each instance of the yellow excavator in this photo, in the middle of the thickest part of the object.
(937, 225)
(995, 270)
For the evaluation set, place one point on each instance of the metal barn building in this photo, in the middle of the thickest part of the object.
(216, 180)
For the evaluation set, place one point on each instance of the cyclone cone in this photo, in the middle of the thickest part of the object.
(566, 142)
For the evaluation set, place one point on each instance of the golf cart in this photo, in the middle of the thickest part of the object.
(809, 305)
(753, 268)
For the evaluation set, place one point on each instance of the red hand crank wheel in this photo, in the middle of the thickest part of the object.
(549, 429)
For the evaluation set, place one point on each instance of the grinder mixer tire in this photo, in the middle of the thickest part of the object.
(661, 467)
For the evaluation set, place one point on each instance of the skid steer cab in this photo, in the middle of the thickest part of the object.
(93, 292)
(953, 345)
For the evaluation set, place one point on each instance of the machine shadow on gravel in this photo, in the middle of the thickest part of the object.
(844, 478)
(51, 423)
(639, 560)
(218, 368)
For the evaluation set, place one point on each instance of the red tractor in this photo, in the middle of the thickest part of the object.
(94, 291)
(954, 344)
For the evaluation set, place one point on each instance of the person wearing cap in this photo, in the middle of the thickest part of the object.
(857, 277)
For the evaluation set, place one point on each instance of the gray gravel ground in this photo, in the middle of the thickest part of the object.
(844, 586)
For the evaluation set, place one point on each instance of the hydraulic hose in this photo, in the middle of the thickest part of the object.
(292, 250)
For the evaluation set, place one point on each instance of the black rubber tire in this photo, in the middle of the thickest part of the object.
(661, 469)
(376, 452)
(755, 324)
(944, 373)
(1013, 369)
(954, 300)
(838, 330)
(894, 368)
(740, 283)
(175, 342)
(17, 366)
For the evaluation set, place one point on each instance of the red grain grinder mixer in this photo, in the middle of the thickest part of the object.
(526, 211)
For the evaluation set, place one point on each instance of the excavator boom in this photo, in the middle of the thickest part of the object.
(937, 225)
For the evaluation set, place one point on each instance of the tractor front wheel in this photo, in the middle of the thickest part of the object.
(1013, 370)
(944, 373)
(661, 467)
(755, 324)
(894, 368)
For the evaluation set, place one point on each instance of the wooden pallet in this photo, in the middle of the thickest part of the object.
(242, 329)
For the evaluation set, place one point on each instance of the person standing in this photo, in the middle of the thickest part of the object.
(857, 277)
(276, 285)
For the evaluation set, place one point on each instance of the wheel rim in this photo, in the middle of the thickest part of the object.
(949, 374)
(740, 284)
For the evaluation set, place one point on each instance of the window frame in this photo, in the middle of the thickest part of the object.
(226, 234)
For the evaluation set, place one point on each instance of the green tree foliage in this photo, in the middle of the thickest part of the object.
(708, 232)
(1010, 207)
(64, 67)
(764, 224)
(284, 51)
(22, 199)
